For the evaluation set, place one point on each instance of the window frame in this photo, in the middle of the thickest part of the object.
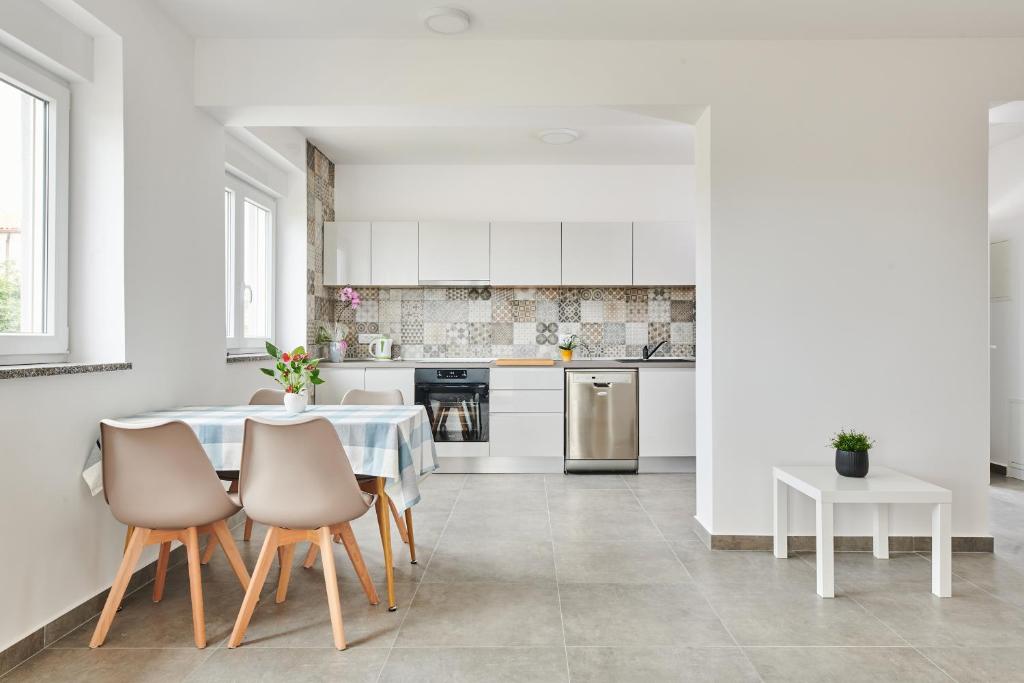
(51, 345)
(243, 191)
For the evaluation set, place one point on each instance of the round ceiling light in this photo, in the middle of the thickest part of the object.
(447, 20)
(559, 136)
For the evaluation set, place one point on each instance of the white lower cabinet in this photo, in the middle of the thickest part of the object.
(386, 379)
(337, 382)
(667, 412)
(517, 435)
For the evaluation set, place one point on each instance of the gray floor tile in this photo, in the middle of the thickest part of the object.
(868, 664)
(618, 562)
(483, 664)
(613, 664)
(558, 482)
(738, 572)
(598, 523)
(650, 615)
(441, 480)
(459, 560)
(482, 614)
(977, 664)
(295, 665)
(799, 617)
(109, 665)
(486, 525)
(502, 500)
(685, 482)
(494, 482)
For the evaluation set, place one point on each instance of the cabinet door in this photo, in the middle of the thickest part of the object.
(455, 252)
(527, 378)
(347, 253)
(516, 435)
(526, 254)
(597, 253)
(386, 379)
(664, 253)
(337, 382)
(668, 412)
(394, 253)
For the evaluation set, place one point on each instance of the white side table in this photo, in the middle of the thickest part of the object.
(881, 488)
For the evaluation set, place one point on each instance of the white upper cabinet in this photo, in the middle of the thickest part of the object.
(455, 251)
(394, 253)
(597, 253)
(347, 253)
(664, 253)
(526, 254)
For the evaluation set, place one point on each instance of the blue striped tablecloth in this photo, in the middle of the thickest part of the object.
(394, 442)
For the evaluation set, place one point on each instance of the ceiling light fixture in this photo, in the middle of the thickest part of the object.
(447, 20)
(558, 136)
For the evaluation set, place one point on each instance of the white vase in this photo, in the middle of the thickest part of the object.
(295, 403)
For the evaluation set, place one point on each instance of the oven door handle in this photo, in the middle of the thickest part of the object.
(450, 387)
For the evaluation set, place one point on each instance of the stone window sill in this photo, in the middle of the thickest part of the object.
(48, 369)
(247, 357)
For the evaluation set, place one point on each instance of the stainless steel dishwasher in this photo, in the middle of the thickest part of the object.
(601, 415)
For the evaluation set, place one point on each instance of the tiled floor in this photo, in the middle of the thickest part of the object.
(593, 578)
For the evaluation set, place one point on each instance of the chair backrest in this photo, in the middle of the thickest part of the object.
(267, 397)
(157, 475)
(295, 474)
(362, 397)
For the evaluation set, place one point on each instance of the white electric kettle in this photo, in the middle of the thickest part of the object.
(380, 349)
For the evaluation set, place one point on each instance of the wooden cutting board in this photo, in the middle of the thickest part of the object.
(524, 361)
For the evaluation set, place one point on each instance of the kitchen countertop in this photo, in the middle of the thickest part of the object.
(580, 364)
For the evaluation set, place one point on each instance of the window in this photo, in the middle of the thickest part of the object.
(249, 267)
(33, 214)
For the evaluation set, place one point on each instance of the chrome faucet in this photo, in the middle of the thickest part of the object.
(648, 353)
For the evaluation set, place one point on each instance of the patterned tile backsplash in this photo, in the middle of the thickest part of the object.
(319, 208)
(486, 322)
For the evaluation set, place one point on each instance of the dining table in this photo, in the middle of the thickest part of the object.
(394, 444)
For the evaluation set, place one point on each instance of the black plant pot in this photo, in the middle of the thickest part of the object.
(852, 463)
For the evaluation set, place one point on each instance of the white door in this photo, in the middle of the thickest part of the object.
(386, 379)
(664, 253)
(347, 253)
(452, 251)
(394, 253)
(526, 254)
(668, 412)
(597, 254)
(337, 382)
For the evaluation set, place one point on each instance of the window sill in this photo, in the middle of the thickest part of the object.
(47, 369)
(247, 357)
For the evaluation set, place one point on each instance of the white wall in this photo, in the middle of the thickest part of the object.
(513, 192)
(847, 247)
(61, 545)
(1006, 223)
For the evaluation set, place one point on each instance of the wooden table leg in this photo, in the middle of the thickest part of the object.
(412, 538)
(127, 537)
(383, 510)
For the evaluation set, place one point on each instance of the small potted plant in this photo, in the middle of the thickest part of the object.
(566, 345)
(333, 341)
(296, 372)
(852, 452)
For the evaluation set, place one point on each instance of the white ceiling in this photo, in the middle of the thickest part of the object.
(605, 19)
(506, 135)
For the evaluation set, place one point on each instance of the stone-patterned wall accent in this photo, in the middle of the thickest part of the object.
(486, 322)
(319, 208)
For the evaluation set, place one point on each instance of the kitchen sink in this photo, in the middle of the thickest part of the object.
(653, 360)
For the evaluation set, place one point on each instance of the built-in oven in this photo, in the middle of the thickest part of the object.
(456, 400)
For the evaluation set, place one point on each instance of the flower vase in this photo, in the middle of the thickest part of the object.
(566, 354)
(336, 351)
(295, 403)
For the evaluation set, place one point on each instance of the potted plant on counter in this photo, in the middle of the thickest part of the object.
(566, 345)
(295, 372)
(852, 452)
(333, 342)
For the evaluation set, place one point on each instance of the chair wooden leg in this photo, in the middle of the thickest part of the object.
(356, 557)
(412, 538)
(399, 522)
(286, 572)
(211, 545)
(333, 595)
(385, 539)
(223, 534)
(195, 584)
(161, 571)
(124, 574)
(247, 534)
(310, 555)
(252, 593)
